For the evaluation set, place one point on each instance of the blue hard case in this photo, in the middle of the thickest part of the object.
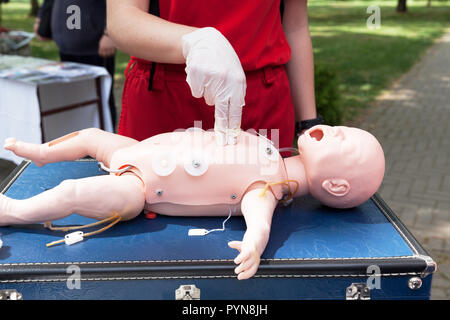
(314, 252)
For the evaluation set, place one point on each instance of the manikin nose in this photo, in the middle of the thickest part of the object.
(316, 134)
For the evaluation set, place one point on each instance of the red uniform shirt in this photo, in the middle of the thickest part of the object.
(253, 27)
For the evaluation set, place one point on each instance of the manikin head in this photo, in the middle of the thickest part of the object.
(344, 166)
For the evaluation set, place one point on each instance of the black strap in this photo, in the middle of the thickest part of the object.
(154, 7)
(281, 8)
(154, 10)
(307, 124)
(45, 14)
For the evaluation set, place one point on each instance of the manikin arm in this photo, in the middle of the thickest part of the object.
(257, 211)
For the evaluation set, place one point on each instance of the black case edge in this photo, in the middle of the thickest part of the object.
(8, 181)
(420, 252)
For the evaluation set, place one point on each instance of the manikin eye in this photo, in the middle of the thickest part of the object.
(316, 134)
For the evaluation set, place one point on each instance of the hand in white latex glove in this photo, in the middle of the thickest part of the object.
(215, 72)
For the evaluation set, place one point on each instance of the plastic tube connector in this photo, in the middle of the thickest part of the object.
(74, 237)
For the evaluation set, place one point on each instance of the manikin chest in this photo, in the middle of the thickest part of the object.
(189, 168)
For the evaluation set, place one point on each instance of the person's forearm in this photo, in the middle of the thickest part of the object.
(142, 35)
(301, 66)
(301, 78)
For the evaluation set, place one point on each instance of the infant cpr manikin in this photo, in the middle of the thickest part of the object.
(188, 173)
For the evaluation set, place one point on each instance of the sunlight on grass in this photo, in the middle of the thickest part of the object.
(369, 60)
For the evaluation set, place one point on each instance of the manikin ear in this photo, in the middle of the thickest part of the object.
(336, 187)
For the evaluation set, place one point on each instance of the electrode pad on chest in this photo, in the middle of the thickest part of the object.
(196, 164)
(164, 163)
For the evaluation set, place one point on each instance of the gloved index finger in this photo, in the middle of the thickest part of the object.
(221, 120)
(237, 102)
(234, 125)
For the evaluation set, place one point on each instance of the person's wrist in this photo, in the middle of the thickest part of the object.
(301, 126)
(190, 39)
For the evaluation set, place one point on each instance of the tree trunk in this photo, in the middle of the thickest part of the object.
(34, 8)
(429, 3)
(401, 6)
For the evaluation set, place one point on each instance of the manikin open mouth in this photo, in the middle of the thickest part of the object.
(316, 134)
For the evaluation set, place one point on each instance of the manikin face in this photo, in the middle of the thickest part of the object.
(344, 166)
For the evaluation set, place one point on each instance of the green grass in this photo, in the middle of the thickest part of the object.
(366, 61)
(16, 17)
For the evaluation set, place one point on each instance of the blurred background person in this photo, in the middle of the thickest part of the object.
(87, 42)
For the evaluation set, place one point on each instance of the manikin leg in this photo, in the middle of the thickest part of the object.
(88, 142)
(97, 197)
(257, 211)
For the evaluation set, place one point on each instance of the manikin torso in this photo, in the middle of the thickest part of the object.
(187, 173)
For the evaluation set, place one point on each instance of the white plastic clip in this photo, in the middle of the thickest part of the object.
(197, 232)
(73, 237)
(204, 232)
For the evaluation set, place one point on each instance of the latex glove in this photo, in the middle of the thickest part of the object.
(214, 72)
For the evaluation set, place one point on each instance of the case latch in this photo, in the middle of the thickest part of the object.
(357, 291)
(187, 292)
(10, 294)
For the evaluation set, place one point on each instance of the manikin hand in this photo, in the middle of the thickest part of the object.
(214, 72)
(257, 210)
(247, 260)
